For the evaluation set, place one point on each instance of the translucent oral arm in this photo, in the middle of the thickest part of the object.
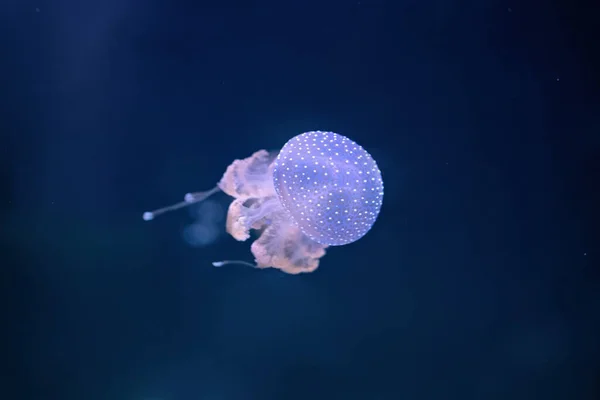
(233, 262)
(189, 199)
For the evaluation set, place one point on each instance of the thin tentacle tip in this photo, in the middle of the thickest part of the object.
(218, 263)
(148, 216)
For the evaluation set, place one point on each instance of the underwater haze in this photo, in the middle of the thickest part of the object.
(476, 279)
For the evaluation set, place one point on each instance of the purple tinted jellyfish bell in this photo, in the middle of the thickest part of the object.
(330, 186)
(322, 189)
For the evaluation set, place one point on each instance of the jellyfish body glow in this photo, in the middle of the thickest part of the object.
(321, 189)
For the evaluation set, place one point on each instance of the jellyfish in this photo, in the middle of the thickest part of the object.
(321, 189)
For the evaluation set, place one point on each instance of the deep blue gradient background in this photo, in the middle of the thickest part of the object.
(479, 280)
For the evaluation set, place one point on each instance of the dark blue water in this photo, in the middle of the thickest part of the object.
(478, 281)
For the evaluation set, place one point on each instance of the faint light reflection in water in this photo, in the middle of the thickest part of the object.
(208, 224)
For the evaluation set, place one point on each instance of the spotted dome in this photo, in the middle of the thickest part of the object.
(331, 187)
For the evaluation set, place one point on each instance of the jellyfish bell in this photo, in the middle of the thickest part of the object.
(321, 189)
(330, 186)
